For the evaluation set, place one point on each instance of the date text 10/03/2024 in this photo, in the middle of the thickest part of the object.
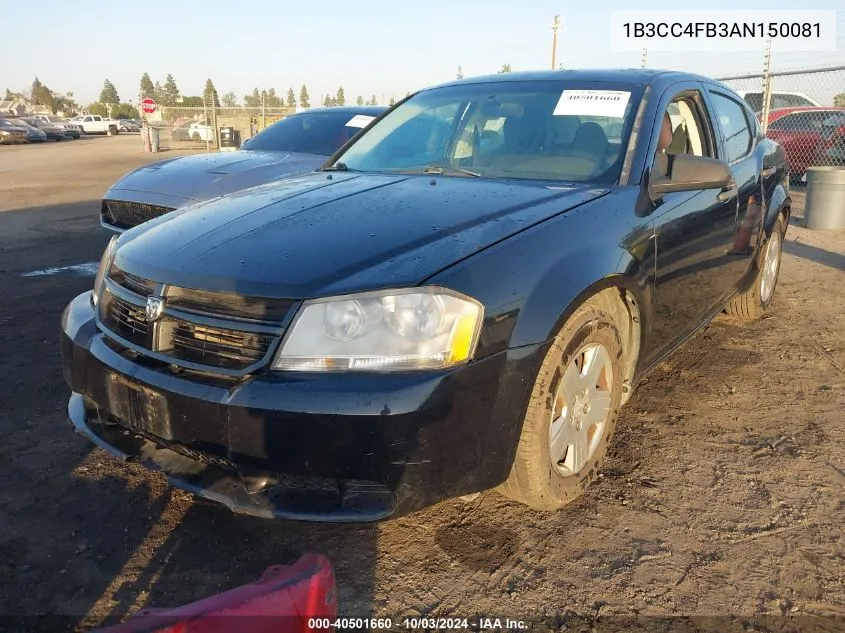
(416, 624)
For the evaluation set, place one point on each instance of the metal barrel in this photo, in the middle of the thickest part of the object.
(825, 204)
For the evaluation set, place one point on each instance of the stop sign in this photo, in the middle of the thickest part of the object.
(148, 105)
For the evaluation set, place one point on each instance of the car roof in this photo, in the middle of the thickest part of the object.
(779, 113)
(609, 75)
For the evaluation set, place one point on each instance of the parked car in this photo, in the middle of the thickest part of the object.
(33, 134)
(297, 144)
(799, 131)
(199, 131)
(74, 129)
(52, 132)
(95, 124)
(180, 131)
(129, 125)
(831, 148)
(11, 134)
(420, 319)
(778, 100)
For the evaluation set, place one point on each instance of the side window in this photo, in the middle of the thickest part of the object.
(98, 118)
(88, 119)
(734, 126)
(681, 131)
(784, 123)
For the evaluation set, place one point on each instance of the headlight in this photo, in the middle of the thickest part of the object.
(389, 330)
(5, 133)
(102, 271)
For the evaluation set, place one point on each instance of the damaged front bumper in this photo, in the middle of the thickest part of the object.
(320, 447)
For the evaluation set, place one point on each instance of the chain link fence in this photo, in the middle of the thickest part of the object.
(199, 127)
(804, 110)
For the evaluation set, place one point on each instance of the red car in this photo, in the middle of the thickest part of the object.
(798, 130)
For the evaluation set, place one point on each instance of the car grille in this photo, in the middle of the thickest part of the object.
(206, 331)
(124, 215)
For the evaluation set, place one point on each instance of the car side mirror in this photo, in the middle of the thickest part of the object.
(688, 173)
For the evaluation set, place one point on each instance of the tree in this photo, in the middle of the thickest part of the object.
(209, 94)
(373, 100)
(506, 68)
(147, 88)
(158, 93)
(192, 102)
(124, 111)
(253, 100)
(98, 109)
(170, 91)
(360, 100)
(291, 99)
(392, 101)
(9, 95)
(272, 100)
(304, 99)
(341, 98)
(460, 73)
(230, 100)
(839, 100)
(108, 95)
(41, 95)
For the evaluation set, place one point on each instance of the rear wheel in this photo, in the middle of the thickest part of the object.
(572, 412)
(753, 302)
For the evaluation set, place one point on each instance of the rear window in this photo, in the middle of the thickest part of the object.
(321, 133)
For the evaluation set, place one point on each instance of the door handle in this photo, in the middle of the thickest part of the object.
(727, 193)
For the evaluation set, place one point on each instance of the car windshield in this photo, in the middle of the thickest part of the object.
(320, 133)
(539, 130)
(6, 123)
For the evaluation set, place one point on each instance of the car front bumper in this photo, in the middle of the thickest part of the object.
(322, 447)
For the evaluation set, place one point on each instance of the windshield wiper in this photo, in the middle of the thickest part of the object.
(443, 170)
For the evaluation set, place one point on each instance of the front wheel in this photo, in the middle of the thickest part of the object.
(752, 303)
(572, 412)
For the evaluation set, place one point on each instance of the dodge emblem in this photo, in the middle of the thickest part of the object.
(155, 308)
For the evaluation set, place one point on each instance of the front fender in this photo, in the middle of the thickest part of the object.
(531, 282)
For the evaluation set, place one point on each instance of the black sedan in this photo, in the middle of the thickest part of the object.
(299, 143)
(460, 299)
(52, 132)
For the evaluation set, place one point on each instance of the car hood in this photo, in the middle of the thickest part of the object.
(321, 234)
(206, 176)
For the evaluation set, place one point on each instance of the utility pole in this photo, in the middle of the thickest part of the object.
(767, 86)
(555, 29)
(645, 58)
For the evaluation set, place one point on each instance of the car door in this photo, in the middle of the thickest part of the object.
(694, 232)
(739, 135)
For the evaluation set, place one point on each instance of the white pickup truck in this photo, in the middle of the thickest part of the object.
(95, 124)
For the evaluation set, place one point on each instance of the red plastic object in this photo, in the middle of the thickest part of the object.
(284, 600)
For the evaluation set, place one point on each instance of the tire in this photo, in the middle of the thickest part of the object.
(752, 303)
(534, 479)
(113, 131)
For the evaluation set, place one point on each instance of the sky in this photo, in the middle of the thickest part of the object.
(371, 47)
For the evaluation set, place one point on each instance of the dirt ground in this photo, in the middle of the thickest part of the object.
(723, 493)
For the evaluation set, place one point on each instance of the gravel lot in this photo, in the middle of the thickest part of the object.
(723, 493)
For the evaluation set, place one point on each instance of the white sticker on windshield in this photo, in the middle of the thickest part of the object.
(609, 103)
(360, 120)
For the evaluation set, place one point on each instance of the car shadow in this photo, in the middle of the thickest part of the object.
(814, 254)
(86, 539)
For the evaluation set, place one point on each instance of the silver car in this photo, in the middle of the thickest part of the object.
(297, 144)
